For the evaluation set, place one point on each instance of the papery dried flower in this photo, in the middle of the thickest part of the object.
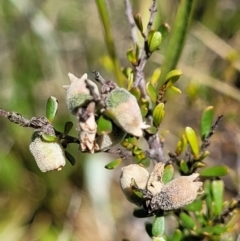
(177, 193)
(88, 129)
(48, 155)
(140, 176)
(123, 109)
(155, 194)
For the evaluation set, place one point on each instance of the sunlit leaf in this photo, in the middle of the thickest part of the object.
(194, 206)
(177, 235)
(131, 56)
(154, 40)
(136, 92)
(49, 138)
(158, 226)
(172, 77)
(168, 174)
(151, 130)
(192, 140)
(151, 91)
(164, 29)
(51, 108)
(206, 121)
(174, 88)
(158, 114)
(217, 194)
(155, 76)
(187, 221)
(181, 145)
(215, 171)
(184, 167)
(113, 164)
(138, 21)
(104, 125)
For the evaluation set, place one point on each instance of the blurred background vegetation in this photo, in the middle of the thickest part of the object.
(40, 42)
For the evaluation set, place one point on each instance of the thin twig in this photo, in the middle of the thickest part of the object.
(139, 80)
(38, 123)
(131, 21)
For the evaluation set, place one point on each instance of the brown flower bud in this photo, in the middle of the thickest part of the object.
(48, 155)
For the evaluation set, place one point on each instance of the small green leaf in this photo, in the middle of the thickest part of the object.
(130, 81)
(154, 40)
(206, 121)
(204, 155)
(177, 235)
(187, 221)
(113, 164)
(174, 88)
(155, 76)
(51, 108)
(219, 229)
(198, 164)
(136, 92)
(131, 56)
(168, 174)
(145, 162)
(184, 167)
(49, 138)
(151, 130)
(68, 126)
(144, 110)
(104, 125)
(215, 171)
(158, 226)
(70, 158)
(158, 114)
(138, 21)
(135, 188)
(151, 91)
(172, 77)
(217, 194)
(195, 206)
(181, 145)
(208, 199)
(164, 29)
(192, 140)
(137, 51)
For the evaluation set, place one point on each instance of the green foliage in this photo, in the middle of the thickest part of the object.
(36, 68)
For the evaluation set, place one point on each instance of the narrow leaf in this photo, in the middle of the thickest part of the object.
(151, 91)
(206, 121)
(51, 108)
(168, 174)
(192, 140)
(70, 158)
(187, 221)
(158, 226)
(217, 193)
(113, 164)
(104, 125)
(158, 114)
(49, 138)
(215, 171)
(68, 126)
(177, 235)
